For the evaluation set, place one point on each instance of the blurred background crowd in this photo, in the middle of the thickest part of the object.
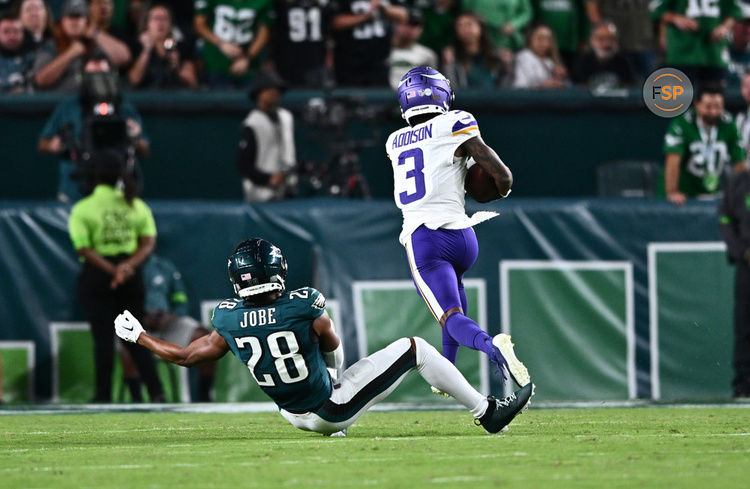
(100, 51)
(177, 44)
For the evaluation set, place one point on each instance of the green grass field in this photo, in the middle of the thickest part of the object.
(560, 448)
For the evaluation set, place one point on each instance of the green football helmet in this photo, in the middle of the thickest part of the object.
(257, 267)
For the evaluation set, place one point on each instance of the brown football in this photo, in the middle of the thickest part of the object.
(479, 185)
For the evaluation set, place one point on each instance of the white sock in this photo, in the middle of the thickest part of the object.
(442, 374)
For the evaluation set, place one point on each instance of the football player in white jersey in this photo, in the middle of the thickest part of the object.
(429, 159)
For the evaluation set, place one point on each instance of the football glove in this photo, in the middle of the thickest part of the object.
(128, 327)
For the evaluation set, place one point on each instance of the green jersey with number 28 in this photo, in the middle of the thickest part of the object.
(234, 21)
(279, 346)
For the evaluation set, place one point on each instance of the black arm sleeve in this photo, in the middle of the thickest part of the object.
(246, 152)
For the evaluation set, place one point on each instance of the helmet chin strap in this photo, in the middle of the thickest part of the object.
(423, 109)
(257, 289)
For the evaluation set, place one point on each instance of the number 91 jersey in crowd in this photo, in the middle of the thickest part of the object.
(279, 346)
(428, 179)
(299, 40)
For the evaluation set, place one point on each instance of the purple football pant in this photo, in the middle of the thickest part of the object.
(438, 260)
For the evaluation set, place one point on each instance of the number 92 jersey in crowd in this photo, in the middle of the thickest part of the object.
(279, 346)
(428, 179)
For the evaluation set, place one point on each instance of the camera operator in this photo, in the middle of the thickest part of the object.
(161, 60)
(95, 119)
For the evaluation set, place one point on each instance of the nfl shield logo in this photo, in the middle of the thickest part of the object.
(246, 276)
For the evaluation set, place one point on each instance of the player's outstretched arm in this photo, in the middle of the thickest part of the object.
(205, 349)
(489, 161)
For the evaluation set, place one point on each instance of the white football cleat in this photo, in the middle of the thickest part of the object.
(512, 364)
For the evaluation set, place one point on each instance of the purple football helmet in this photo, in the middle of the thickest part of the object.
(424, 90)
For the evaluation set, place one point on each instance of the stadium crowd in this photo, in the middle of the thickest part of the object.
(173, 44)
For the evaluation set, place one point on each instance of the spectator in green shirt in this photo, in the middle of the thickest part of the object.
(505, 20)
(234, 34)
(439, 16)
(473, 62)
(635, 28)
(697, 35)
(700, 147)
(568, 22)
(113, 232)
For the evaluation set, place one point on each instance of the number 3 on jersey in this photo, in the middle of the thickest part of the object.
(287, 375)
(413, 159)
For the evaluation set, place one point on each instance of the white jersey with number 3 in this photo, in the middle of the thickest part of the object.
(428, 179)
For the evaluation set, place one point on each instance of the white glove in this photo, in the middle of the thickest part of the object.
(128, 327)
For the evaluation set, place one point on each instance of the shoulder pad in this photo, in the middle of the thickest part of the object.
(462, 122)
(228, 304)
(312, 297)
(224, 306)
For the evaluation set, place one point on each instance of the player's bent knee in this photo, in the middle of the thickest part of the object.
(421, 348)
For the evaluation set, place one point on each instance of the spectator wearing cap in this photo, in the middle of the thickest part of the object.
(161, 60)
(407, 53)
(59, 63)
(266, 153)
(15, 62)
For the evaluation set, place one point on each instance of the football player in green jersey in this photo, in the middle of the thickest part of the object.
(700, 146)
(288, 342)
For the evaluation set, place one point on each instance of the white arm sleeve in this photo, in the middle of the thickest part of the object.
(334, 359)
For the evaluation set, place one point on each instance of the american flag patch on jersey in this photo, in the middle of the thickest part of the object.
(246, 276)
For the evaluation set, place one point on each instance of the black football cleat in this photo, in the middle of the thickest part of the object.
(501, 412)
